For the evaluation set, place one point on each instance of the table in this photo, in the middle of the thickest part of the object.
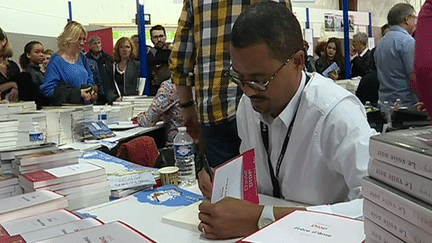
(147, 218)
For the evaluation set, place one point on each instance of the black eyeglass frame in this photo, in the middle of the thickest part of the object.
(261, 86)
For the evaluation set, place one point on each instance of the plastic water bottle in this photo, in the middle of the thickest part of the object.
(368, 106)
(184, 157)
(103, 116)
(386, 109)
(35, 134)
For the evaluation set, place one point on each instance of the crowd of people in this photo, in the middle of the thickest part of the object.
(235, 94)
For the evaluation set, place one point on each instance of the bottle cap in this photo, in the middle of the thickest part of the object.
(182, 129)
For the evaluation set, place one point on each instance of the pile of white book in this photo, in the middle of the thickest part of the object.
(59, 127)
(4, 111)
(9, 133)
(83, 185)
(21, 106)
(139, 103)
(25, 124)
(112, 113)
(124, 177)
(40, 217)
(398, 193)
(9, 186)
(125, 110)
(40, 160)
(7, 156)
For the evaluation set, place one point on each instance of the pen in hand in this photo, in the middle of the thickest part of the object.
(207, 167)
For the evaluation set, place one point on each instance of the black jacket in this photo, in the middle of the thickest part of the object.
(129, 85)
(362, 65)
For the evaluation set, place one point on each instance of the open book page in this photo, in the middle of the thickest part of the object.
(306, 226)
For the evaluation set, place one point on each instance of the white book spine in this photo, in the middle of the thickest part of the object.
(407, 159)
(414, 212)
(378, 234)
(408, 182)
(393, 224)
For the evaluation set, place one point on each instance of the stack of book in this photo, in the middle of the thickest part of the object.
(83, 185)
(21, 106)
(125, 177)
(79, 114)
(125, 110)
(398, 193)
(25, 124)
(4, 111)
(7, 156)
(43, 226)
(30, 204)
(36, 161)
(113, 114)
(9, 134)
(140, 103)
(9, 186)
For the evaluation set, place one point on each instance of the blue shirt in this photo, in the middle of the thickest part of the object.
(394, 58)
(58, 69)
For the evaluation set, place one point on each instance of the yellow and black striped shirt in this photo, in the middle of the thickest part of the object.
(201, 54)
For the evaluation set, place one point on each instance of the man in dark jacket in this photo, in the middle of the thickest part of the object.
(104, 63)
(362, 62)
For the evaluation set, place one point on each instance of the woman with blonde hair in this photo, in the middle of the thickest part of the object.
(9, 70)
(68, 78)
(125, 71)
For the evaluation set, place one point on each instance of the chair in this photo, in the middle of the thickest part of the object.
(142, 150)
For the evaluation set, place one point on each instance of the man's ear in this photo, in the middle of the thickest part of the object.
(299, 59)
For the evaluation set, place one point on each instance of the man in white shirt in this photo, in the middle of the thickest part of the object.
(323, 126)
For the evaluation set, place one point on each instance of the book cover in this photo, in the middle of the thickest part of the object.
(122, 174)
(9, 154)
(399, 203)
(53, 231)
(70, 184)
(168, 195)
(236, 178)
(377, 234)
(36, 222)
(47, 156)
(111, 232)
(59, 175)
(98, 130)
(29, 204)
(404, 149)
(394, 224)
(413, 184)
(308, 226)
(186, 218)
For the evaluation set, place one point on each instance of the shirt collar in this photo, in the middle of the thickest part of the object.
(364, 52)
(399, 28)
(287, 114)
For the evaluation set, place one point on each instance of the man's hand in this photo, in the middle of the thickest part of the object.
(204, 183)
(420, 107)
(190, 120)
(229, 218)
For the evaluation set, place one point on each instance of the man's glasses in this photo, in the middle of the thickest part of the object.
(257, 85)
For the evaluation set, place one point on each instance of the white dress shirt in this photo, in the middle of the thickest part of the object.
(327, 154)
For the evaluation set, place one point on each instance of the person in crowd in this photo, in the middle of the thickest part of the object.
(278, 98)
(124, 73)
(367, 90)
(213, 121)
(423, 59)
(310, 62)
(361, 57)
(68, 78)
(158, 38)
(333, 54)
(319, 50)
(48, 53)
(104, 63)
(165, 104)
(9, 70)
(394, 57)
(30, 62)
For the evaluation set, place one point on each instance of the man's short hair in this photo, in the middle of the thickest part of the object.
(157, 27)
(93, 39)
(269, 23)
(361, 37)
(399, 12)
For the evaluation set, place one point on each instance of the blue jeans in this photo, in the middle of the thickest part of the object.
(222, 141)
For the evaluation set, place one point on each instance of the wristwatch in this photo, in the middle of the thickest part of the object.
(267, 217)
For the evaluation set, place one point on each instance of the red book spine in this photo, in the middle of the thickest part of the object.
(13, 239)
(250, 187)
(39, 176)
